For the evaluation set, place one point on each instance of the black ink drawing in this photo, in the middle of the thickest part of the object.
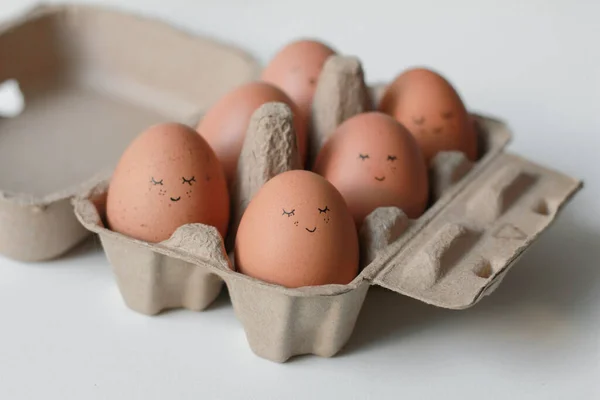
(289, 214)
(188, 181)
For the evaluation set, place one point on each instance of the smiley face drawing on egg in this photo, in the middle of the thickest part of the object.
(166, 178)
(297, 231)
(292, 213)
(427, 104)
(375, 162)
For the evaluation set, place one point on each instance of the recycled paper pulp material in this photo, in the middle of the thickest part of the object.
(92, 79)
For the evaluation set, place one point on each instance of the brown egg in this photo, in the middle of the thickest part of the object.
(296, 69)
(297, 231)
(375, 162)
(166, 178)
(224, 126)
(432, 110)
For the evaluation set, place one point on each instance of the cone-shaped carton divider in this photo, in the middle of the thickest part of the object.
(447, 168)
(269, 149)
(381, 228)
(340, 94)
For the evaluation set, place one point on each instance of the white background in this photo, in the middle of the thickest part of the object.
(65, 333)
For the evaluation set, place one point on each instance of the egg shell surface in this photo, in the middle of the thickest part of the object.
(167, 177)
(428, 105)
(375, 162)
(297, 231)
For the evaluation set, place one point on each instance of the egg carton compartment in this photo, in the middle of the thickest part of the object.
(458, 251)
(90, 83)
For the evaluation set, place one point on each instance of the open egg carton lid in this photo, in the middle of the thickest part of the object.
(485, 216)
(91, 80)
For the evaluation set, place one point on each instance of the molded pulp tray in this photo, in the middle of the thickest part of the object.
(92, 79)
(452, 256)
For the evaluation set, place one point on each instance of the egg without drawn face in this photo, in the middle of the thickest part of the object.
(297, 231)
(296, 69)
(432, 110)
(375, 162)
(225, 124)
(166, 178)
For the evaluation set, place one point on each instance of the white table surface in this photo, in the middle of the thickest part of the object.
(66, 334)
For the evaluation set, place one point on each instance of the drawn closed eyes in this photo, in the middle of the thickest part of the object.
(392, 158)
(154, 182)
(363, 156)
(289, 214)
(324, 210)
(447, 115)
(188, 181)
(418, 121)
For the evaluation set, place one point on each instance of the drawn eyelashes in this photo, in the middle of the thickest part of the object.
(323, 210)
(392, 158)
(363, 156)
(447, 115)
(188, 181)
(419, 121)
(289, 214)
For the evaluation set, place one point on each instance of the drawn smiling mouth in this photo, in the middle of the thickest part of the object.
(380, 179)
(313, 229)
(177, 199)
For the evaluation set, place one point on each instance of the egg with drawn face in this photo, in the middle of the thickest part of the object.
(375, 162)
(166, 178)
(297, 231)
(432, 110)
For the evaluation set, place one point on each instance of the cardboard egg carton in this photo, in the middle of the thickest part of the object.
(91, 83)
(92, 79)
(486, 215)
